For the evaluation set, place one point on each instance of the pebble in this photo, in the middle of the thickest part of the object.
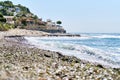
(38, 65)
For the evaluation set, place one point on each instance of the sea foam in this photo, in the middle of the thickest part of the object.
(66, 47)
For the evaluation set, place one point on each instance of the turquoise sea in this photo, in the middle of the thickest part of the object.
(103, 48)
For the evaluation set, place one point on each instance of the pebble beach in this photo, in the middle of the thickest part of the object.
(22, 61)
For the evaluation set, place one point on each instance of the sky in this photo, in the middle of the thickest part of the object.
(89, 16)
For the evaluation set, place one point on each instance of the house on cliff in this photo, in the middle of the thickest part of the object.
(9, 19)
(1, 7)
(17, 9)
(49, 23)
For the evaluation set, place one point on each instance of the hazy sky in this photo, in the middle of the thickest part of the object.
(78, 15)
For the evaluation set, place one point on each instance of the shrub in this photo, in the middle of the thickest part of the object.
(5, 26)
(59, 22)
(2, 19)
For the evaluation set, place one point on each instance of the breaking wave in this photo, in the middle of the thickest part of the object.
(106, 36)
(66, 47)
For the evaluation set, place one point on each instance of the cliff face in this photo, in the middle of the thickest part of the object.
(55, 31)
(48, 29)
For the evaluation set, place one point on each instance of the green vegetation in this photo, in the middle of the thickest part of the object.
(20, 13)
(5, 12)
(59, 22)
(2, 19)
(21, 17)
(23, 8)
(35, 17)
(5, 26)
(8, 8)
(7, 4)
(23, 22)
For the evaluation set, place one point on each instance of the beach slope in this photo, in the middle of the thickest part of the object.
(22, 61)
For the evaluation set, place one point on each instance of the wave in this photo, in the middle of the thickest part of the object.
(83, 37)
(106, 36)
(64, 38)
(79, 51)
(101, 35)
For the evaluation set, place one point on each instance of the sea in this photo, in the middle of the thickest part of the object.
(101, 48)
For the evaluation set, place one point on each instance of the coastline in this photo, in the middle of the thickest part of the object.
(21, 61)
(34, 33)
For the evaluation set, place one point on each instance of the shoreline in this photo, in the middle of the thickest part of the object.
(34, 33)
(21, 39)
(20, 61)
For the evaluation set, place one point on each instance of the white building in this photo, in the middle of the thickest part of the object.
(50, 23)
(9, 19)
(17, 9)
(1, 7)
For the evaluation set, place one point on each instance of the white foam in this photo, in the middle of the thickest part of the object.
(79, 51)
(64, 38)
(106, 36)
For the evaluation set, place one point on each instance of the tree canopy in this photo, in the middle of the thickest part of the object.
(7, 4)
(59, 22)
(2, 19)
(8, 8)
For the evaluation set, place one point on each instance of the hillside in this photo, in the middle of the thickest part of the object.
(9, 9)
(21, 17)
